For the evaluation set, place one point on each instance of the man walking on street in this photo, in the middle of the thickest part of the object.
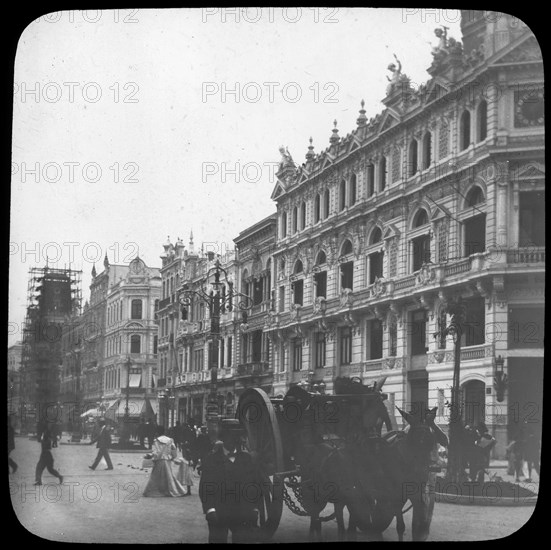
(11, 446)
(46, 459)
(103, 440)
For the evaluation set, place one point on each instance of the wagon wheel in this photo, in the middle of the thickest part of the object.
(256, 412)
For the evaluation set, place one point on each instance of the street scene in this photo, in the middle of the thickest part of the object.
(345, 339)
(114, 500)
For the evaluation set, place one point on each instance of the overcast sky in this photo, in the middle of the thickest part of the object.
(129, 124)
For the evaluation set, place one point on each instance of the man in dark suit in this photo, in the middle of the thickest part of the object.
(46, 459)
(103, 440)
(230, 488)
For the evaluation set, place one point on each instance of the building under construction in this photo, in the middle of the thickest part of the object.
(52, 296)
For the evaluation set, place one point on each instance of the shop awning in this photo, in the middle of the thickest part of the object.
(91, 412)
(137, 406)
(135, 380)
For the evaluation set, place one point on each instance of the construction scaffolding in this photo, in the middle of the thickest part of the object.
(53, 296)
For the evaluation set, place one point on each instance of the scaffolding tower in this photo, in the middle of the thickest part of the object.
(53, 295)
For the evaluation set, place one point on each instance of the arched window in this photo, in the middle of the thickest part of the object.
(303, 216)
(342, 195)
(376, 236)
(317, 209)
(413, 157)
(370, 179)
(326, 204)
(283, 225)
(382, 173)
(321, 259)
(427, 153)
(295, 219)
(135, 343)
(475, 196)
(346, 248)
(347, 268)
(482, 121)
(298, 267)
(465, 130)
(421, 218)
(353, 190)
(474, 228)
(136, 312)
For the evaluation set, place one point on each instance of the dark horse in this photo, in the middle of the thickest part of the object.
(406, 459)
(325, 446)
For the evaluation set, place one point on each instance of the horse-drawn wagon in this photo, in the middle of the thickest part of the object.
(313, 449)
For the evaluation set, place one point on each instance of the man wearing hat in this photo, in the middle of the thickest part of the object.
(230, 488)
(103, 440)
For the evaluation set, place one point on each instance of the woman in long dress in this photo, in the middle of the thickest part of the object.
(185, 468)
(162, 482)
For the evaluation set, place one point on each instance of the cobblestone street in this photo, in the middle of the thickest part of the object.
(108, 506)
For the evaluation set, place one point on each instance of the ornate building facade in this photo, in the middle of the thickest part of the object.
(109, 352)
(186, 349)
(440, 196)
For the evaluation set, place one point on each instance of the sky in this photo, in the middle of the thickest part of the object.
(134, 125)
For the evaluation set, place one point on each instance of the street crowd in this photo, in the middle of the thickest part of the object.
(224, 465)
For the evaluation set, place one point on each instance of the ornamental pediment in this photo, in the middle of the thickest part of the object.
(526, 50)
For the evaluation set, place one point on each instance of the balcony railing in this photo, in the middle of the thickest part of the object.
(373, 364)
(406, 282)
(460, 266)
(250, 369)
(528, 255)
(476, 352)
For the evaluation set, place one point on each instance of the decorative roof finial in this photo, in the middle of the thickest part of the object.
(362, 119)
(94, 273)
(335, 137)
(106, 261)
(310, 155)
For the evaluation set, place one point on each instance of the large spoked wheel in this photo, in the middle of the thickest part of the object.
(256, 413)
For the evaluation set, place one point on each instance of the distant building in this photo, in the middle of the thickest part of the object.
(110, 350)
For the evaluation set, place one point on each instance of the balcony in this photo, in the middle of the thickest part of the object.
(526, 255)
(252, 369)
(455, 268)
(354, 369)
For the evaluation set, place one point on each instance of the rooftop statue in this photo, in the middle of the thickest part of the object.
(442, 46)
(286, 158)
(396, 74)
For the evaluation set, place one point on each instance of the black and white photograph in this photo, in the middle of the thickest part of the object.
(276, 275)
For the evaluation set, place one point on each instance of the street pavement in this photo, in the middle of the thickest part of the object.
(108, 506)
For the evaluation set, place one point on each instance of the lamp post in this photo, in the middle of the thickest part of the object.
(76, 434)
(125, 438)
(454, 472)
(217, 303)
(500, 379)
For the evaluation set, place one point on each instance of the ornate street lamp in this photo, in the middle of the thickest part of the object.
(125, 437)
(500, 379)
(455, 470)
(217, 303)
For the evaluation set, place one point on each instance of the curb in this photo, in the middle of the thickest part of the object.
(466, 500)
